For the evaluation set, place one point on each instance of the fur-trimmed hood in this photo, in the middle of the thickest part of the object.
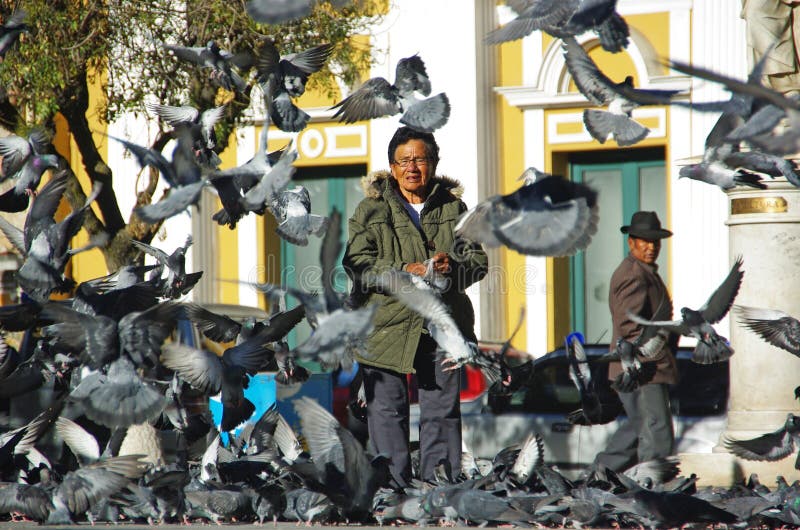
(374, 183)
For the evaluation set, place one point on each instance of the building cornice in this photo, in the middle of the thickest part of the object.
(532, 97)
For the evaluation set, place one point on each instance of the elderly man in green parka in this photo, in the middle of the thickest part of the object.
(406, 222)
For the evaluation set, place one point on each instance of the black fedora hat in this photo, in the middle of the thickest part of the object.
(645, 225)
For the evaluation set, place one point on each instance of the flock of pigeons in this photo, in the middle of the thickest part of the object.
(119, 379)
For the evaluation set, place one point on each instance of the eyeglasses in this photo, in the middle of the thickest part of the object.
(406, 162)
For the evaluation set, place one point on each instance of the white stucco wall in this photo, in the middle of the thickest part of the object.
(442, 32)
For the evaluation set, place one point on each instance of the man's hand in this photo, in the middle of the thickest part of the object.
(441, 264)
(416, 268)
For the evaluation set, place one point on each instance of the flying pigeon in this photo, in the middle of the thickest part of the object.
(377, 98)
(565, 19)
(634, 372)
(45, 243)
(621, 98)
(419, 297)
(710, 348)
(284, 77)
(199, 123)
(551, 217)
(11, 29)
(211, 56)
(24, 161)
(280, 11)
(292, 209)
(776, 327)
(771, 446)
(178, 282)
(596, 409)
(211, 374)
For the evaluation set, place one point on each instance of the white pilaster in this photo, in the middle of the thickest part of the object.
(246, 233)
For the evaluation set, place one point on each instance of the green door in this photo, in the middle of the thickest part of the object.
(300, 265)
(623, 188)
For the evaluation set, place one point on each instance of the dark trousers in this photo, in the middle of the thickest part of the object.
(440, 415)
(646, 434)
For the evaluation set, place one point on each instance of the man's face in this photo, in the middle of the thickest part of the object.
(412, 168)
(644, 250)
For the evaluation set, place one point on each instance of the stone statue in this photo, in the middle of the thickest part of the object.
(775, 22)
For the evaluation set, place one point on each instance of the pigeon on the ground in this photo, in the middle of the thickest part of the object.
(711, 347)
(531, 455)
(551, 217)
(377, 98)
(75, 495)
(565, 19)
(350, 478)
(666, 509)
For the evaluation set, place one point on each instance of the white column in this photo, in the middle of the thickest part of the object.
(246, 228)
(533, 280)
(764, 228)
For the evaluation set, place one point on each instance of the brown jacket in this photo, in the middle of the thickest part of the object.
(637, 287)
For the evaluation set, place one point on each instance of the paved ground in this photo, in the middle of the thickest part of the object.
(126, 526)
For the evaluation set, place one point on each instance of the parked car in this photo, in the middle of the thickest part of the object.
(698, 401)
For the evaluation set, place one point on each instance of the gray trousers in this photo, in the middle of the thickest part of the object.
(646, 434)
(440, 415)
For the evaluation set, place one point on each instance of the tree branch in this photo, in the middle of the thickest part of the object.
(74, 111)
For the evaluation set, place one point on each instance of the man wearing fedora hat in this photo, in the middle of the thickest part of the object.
(636, 287)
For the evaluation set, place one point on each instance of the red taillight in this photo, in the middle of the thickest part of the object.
(472, 383)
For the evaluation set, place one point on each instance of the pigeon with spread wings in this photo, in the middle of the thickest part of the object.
(280, 11)
(551, 217)
(776, 327)
(771, 446)
(377, 98)
(24, 162)
(621, 98)
(565, 18)
(213, 57)
(596, 408)
(711, 347)
(283, 77)
(415, 293)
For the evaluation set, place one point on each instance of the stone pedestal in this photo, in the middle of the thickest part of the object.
(764, 228)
